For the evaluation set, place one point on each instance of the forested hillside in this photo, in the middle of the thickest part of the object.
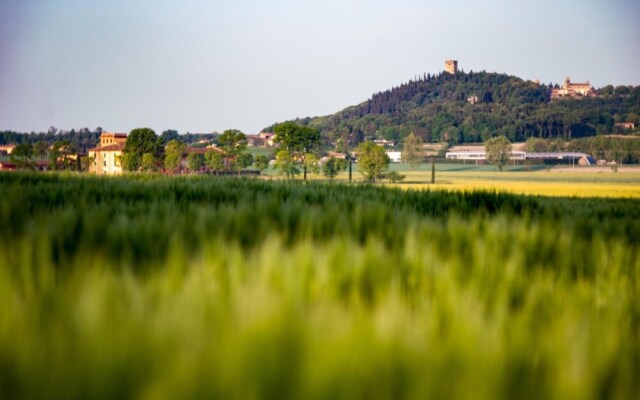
(467, 107)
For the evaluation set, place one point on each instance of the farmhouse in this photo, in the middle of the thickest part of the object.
(106, 157)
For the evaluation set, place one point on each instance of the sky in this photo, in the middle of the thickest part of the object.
(205, 66)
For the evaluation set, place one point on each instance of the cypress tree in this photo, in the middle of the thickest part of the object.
(433, 170)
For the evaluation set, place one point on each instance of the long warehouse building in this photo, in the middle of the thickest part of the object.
(563, 156)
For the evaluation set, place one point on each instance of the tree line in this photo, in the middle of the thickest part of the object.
(144, 151)
(80, 140)
(84, 139)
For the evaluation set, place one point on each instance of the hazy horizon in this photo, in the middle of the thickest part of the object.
(204, 66)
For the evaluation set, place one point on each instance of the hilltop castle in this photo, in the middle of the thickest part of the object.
(451, 66)
(573, 90)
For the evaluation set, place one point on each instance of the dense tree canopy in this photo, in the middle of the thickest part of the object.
(142, 141)
(61, 156)
(234, 144)
(169, 135)
(173, 155)
(22, 156)
(412, 150)
(624, 150)
(372, 160)
(148, 163)
(299, 141)
(296, 138)
(195, 161)
(333, 166)
(261, 162)
(498, 151)
(214, 160)
(286, 164)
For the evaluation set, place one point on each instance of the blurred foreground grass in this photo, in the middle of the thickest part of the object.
(153, 287)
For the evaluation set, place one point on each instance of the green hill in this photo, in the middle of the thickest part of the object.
(467, 107)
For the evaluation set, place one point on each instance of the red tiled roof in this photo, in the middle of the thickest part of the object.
(111, 147)
(11, 165)
(202, 150)
(111, 134)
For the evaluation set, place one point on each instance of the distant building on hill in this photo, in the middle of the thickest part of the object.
(7, 149)
(268, 138)
(262, 139)
(573, 90)
(451, 66)
(384, 142)
(107, 156)
(623, 126)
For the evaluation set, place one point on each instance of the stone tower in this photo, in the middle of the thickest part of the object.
(451, 66)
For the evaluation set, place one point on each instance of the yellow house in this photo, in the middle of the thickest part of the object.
(106, 157)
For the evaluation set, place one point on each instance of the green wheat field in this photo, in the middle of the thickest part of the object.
(156, 287)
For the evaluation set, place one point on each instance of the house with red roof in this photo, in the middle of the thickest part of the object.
(106, 158)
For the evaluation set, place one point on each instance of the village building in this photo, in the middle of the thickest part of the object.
(384, 142)
(336, 154)
(574, 90)
(107, 156)
(7, 149)
(268, 138)
(255, 141)
(262, 139)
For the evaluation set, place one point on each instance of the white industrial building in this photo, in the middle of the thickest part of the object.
(562, 156)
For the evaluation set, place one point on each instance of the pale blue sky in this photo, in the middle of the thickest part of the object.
(203, 66)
